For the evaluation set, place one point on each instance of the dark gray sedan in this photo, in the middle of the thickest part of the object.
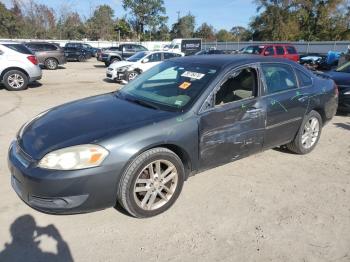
(138, 145)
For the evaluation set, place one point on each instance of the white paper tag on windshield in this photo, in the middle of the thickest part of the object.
(193, 75)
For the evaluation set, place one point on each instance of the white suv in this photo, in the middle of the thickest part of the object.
(18, 66)
(125, 71)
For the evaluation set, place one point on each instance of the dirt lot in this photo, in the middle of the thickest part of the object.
(274, 206)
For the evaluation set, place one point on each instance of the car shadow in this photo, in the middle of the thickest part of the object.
(99, 66)
(107, 80)
(284, 149)
(345, 126)
(25, 245)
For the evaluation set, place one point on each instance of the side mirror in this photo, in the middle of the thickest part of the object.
(146, 60)
(267, 53)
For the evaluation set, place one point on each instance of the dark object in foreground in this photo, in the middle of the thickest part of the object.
(341, 77)
(137, 146)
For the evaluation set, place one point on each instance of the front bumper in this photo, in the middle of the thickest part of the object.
(61, 192)
(116, 76)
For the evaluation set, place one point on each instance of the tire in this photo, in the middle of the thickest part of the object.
(107, 64)
(137, 189)
(131, 75)
(115, 60)
(81, 58)
(15, 80)
(51, 64)
(307, 136)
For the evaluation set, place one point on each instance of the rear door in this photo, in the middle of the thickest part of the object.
(233, 127)
(284, 102)
(280, 52)
(291, 53)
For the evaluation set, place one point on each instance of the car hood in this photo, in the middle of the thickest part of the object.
(84, 121)
(339, 77)
(119, 64)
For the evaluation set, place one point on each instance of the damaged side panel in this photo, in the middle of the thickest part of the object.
(230, 132)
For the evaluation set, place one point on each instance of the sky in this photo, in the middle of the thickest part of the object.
(222, 14)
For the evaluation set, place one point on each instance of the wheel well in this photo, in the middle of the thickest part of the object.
(138, 70)
(115, 57)
(12, 68)
(51, 58)
(182, 154)
(322, 114)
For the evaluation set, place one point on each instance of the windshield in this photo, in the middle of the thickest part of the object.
(345, 68)
(170, 85)
(137, 57)
(253, 49)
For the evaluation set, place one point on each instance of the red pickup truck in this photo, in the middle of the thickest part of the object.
(275, 50)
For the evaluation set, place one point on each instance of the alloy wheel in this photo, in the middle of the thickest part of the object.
(16, 81)
(132, 75)
(310, 133)
(155, 185)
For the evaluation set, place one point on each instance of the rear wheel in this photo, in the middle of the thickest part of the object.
(152, 183)
(15, 80)
(308, 134)
(51, 64)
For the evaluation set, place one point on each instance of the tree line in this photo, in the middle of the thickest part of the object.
(276, 20)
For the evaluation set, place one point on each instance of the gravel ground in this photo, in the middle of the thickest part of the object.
(274, 206)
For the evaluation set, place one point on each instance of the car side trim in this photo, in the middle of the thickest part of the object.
(284, 122)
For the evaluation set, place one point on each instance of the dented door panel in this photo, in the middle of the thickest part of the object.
(230, 132)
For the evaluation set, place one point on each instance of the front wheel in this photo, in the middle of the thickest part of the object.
(152, 183)
(131, 75)
(308, 135)
(81, 58)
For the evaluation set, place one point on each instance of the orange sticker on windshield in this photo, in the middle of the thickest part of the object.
(185, 85)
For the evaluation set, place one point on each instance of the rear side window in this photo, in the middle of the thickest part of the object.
(49, 47)
(19, 48)
(269, 51)
(170, 55)
(279, 50)
(304, 79)
(279, 77)
(291, 50)
(157, 57)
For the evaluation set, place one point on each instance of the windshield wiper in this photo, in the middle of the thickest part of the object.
(143, 103)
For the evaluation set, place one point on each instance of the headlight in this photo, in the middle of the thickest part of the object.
(75, 157)
(123, 68)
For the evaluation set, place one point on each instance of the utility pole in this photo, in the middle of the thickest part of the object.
(178, 16)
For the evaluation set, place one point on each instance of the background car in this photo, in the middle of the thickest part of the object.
(210, 52)
(76, 54)
(341, 77)
(88, 49)
(129, 69)
(49, 55)
(120, 53)
(275, 50)
(93, 50)
(18, 66)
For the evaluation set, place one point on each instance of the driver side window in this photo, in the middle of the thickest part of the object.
(242, 84)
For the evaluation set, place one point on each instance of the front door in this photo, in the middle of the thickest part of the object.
(234, 125)
(285, 104)
(151, 60)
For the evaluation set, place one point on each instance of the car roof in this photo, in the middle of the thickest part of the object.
(230, 60)
(9, 42)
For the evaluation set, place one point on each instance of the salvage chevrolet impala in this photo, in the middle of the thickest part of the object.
(138, 145)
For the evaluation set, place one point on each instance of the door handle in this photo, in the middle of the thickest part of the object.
(302, 98)
(254, 112)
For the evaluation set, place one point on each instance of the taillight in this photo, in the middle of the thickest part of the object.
(33, 59)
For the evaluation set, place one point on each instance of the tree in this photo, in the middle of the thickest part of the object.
(205, 32)
(224, 36)
(101, 24)
(123, 27)
(145, 13)
(184, 28)
(71, 27)
(8, 27)
(240, 33)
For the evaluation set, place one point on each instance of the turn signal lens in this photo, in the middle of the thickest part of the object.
(75, 157)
